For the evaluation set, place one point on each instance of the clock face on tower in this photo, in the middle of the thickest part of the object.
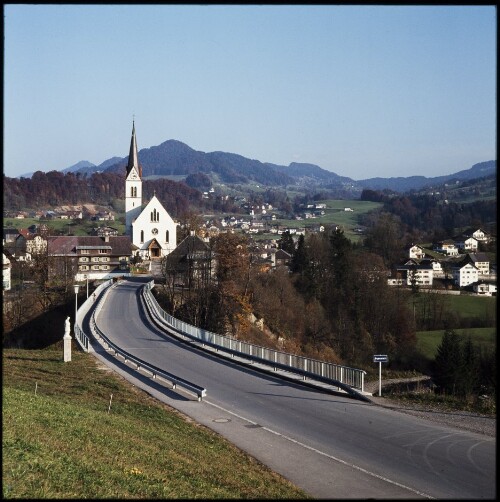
(154, 231)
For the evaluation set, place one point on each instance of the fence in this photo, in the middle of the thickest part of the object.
(80, 336)
(341, 376)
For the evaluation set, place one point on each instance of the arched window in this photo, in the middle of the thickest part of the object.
(167, 235)
(142, 235)
(155, 216)
(133, 191)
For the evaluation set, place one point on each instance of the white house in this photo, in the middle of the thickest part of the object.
(151, 229)
(481, 262)
(447, 247)
(480, 235)
(36, 244)
(465, 274)
(466, 243)
(416, 252)
(420, 275)
(485, 289)
(6, 273)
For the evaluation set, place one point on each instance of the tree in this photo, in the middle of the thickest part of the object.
(448, 363)
(286, 242)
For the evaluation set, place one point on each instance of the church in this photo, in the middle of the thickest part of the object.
(151, 229)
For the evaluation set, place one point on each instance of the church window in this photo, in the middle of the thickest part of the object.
(167, 235)
(155, 215)
(133, 191)
(142, 235)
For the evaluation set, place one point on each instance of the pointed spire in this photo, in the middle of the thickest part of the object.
(133, 157)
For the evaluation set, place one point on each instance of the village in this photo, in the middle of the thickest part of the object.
(453, 265)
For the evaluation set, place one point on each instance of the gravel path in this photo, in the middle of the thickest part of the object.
(473, 422)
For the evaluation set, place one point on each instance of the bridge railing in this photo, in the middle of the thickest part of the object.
(341, 376)
(199, 391)
(81, 337)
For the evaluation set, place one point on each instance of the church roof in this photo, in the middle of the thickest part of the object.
(133, 157)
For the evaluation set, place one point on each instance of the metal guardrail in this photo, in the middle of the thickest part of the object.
(343, 377)
(199, 391)
(81, 337)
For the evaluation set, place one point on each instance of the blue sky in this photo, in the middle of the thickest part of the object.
(363, 91)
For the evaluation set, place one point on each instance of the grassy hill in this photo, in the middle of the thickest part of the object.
(60, 441)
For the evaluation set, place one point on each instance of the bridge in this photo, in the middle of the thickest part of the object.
(319, 437)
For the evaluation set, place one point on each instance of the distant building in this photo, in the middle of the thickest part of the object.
(88, 257)
(6, 273)
(151, 229)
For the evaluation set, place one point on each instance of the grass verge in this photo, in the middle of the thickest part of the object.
(61, 442)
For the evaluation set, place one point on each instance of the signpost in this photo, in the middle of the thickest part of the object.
(380, 358)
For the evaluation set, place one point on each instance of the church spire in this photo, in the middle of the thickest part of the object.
(133, 157)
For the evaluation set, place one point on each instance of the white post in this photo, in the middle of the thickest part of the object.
(67, 341)
(380, 378)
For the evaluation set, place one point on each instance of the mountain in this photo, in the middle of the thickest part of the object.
(401, 184)
(79, 167)
(173, 157)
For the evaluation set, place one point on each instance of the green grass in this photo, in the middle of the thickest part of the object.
(63, 443)
(428, 341)
(74, 227)
(473, 306)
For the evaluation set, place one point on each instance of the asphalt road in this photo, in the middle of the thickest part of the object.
(330, 445)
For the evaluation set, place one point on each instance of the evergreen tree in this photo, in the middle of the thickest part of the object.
(286, 242)
(448, 363)
(299, 257)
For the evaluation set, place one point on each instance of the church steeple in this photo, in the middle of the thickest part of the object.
(133, 157)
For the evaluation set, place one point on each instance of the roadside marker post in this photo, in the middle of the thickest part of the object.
(380, 358)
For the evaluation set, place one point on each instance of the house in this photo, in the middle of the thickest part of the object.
(465, 274)
(415, 251)
(36, 244)
(88, 257)
(417, 274)
(192, 262)
(6, 273)
(74, 215)
(447, 247)
(10, 235)
(103, 230)
(281, 258)
(485, 289)
(480, 261)
(103, 216)
(466, 243)
(435, 264)
(478, 234)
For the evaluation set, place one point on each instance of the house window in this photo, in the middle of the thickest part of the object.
(84, 258)
(103, 251)
(94, 258)
(84, 267)
(95, 267)
(85, 251)
(142, 236)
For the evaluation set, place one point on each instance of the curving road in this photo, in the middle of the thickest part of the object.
(330, 445)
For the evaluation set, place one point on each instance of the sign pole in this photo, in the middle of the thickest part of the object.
(380, 358)
(380, 378)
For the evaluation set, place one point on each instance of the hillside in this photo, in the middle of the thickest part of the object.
(174, 158)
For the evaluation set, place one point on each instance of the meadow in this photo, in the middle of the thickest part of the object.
(72, 430)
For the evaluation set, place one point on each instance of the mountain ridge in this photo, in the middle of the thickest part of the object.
(173, 157)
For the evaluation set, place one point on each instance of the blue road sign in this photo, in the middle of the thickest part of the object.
(380, 358)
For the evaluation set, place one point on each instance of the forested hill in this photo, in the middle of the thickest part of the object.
(173, 157)
(46, 190)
